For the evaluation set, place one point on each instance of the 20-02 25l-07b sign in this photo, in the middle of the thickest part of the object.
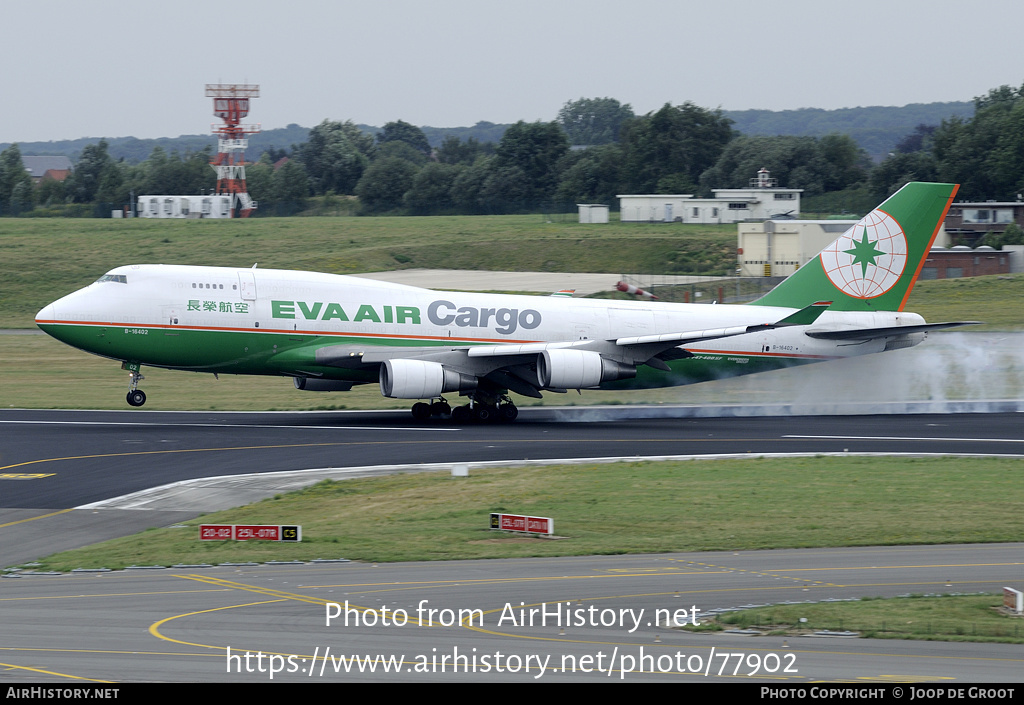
(246, 532)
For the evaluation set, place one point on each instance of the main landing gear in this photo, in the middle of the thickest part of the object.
(421, 411)
(480, 409)
(136, 397)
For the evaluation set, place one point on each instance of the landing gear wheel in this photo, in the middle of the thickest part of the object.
(507, 413)
(461, 414)
(484, 413)
(136, 397)
(440, 408)
(421, 411)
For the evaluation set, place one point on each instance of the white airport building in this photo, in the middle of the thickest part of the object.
(777, 248)
(184, 206)
(593, 212)
(761, 200)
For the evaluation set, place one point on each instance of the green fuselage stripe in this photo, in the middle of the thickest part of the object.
(274, 351)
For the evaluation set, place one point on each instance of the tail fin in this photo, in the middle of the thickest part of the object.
(874, 264)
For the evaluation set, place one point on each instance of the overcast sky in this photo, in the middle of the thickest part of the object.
(92, 68)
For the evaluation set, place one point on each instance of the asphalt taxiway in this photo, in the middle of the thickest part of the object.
(525, 620)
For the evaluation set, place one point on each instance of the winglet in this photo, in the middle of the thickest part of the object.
(805, 316)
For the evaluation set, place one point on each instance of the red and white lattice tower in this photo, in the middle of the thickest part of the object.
(231, 104)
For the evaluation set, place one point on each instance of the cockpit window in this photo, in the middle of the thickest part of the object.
(122, 278)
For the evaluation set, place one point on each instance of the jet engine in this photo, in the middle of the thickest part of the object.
(421, 379)
(578, 369)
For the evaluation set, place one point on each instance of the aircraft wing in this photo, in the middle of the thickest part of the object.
(645, 345)
(526, 368)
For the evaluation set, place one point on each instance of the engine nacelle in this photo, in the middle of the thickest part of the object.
(578, 369)
(421, 379)
(321, 385)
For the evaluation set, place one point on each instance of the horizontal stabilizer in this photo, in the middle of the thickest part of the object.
(887, 332)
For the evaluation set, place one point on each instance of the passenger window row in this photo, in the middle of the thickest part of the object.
(211, 286)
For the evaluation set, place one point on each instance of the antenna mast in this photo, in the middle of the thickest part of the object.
(231, 104)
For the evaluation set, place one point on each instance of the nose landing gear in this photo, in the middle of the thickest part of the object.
(135, 397)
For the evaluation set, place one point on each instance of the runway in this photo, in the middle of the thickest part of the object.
(55, 461)
(174, 625)
(88, 456)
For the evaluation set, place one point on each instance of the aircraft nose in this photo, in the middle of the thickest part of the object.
(46, 314)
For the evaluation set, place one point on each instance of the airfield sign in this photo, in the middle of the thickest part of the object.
(244, 532)
(524, 524)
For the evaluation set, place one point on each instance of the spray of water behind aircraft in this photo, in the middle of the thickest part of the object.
(951, 372)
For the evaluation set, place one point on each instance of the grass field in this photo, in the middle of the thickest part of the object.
(994, 300)
(938, 618)
(44, 259)
(686, 506)
(37, 371)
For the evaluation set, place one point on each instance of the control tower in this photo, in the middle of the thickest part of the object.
(231, 104)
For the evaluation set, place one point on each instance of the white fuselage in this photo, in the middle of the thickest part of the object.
(223, 310)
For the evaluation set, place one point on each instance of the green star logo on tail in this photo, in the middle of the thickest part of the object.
(864, 253)
(869, 265)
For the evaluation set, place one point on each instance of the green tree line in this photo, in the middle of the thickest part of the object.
(595, 149)
(984, 153)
